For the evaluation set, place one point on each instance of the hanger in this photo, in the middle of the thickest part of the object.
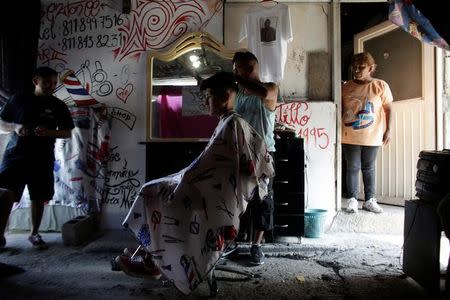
(268, 2)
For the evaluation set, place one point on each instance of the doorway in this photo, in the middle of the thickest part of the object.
(365, 27)
(407, 65)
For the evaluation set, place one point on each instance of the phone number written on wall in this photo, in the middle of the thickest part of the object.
(75, 32)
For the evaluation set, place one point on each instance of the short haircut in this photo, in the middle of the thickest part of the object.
(363, 58)
(44, 72)
(244, 56)
(220, 83)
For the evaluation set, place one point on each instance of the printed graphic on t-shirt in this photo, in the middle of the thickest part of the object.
(46, 115)
(268, 29)
(357, 116)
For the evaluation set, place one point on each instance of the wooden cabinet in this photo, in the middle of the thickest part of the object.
(289, 185)
(165, 158)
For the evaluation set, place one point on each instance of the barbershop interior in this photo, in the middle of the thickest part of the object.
(229, 149)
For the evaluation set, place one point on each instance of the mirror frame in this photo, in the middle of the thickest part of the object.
(186, 43)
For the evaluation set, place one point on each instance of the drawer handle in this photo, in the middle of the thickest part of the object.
(282, 226)
(282, 159)
(282, 204)
(281, 181)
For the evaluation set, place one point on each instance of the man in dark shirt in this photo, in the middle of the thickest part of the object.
(35, 121)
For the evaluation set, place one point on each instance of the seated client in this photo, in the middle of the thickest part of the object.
(186, 220)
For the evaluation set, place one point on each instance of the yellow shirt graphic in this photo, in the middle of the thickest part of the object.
(362, 112)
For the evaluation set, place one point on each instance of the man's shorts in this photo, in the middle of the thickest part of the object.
(37, 177)
(262, 212)
(259, 213)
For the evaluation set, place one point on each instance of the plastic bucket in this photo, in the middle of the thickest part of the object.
(314, 222)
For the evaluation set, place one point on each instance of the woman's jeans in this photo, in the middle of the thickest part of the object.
(360, 158)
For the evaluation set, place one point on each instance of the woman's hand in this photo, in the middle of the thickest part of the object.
(386, 137)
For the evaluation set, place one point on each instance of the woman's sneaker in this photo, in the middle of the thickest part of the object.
(37, 242)
(352, 205)
(372, 205)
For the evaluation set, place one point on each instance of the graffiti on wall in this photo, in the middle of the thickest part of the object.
(95, 79)
(80, 25)
(123, 93)
(300, 116)
(96, 41)
(121, 185)
(124, 116)
(48, 55)
(67, 9)
(157, 24)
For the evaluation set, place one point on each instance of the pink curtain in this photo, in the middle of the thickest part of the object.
(172, 124)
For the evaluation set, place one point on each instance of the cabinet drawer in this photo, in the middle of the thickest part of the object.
(285, 166)
(281, 147)
(289, 203)
(288, 225)
(290, 177)
(288, 185)
(288, 147)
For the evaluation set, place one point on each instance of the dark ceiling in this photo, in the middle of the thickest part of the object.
(356, 17)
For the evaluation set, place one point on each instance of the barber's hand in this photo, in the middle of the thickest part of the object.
(386, 137)
(41, 131)
(22, 130)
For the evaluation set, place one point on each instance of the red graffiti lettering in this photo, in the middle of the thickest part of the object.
(47, 55)
(315, 136)
(297, 115)
(293, 113)
(157, 24)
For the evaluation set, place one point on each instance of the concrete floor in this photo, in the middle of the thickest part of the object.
(339, 265)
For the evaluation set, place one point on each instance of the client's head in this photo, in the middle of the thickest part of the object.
(219, 91)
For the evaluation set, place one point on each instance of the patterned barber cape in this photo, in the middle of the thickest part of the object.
(186, 220)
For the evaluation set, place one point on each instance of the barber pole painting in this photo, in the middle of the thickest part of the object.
(79, 94)
(191, 271)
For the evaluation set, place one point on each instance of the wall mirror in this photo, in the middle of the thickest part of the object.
(175, 105)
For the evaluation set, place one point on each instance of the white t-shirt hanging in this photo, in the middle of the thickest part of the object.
(268, 30)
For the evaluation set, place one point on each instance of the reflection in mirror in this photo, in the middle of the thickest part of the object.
(177, 108)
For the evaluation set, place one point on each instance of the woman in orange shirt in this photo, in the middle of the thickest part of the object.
(366, 102)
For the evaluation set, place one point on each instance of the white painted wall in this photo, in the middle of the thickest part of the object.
(126, 73)
(83, 40)
(86, 36)
(315, 122)
(309, 22)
